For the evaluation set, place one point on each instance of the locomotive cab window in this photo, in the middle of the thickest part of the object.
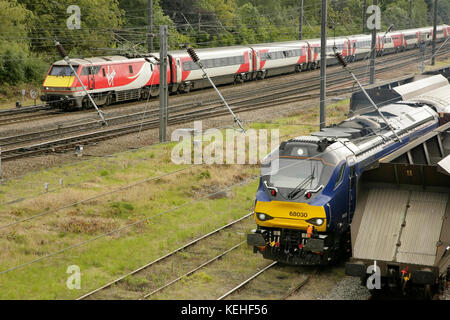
(299, 162)
(130, 68)
(62, 71)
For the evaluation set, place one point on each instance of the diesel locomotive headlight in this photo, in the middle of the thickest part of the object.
(263, 216)
(315, 221)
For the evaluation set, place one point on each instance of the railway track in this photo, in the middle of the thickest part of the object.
(121, 289)
(300, 285)
(242, 284)
(36, 115)
(64, 137)
(215, 240)
(235, 293)
(23, 110)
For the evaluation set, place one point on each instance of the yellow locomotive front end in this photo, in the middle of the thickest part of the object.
(293, 215)
(294, 203)
(59, 88)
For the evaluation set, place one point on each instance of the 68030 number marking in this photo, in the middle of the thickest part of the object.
(298, 214)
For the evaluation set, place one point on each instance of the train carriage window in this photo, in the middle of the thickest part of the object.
(214, 63)
(85, 71)
(90, 70)
(190, 65)
(130, 67)
(62, 71)
(95, 70)
(104, 73)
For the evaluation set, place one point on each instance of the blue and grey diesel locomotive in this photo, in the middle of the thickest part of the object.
(307, 191)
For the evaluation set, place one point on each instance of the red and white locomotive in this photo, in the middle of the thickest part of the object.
(113, 79)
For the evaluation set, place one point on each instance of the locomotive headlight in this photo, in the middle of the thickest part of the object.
(316, 221)
(263, 216)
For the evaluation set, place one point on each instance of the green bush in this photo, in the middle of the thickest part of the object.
(17, 66)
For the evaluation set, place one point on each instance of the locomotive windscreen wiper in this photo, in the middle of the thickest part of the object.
(299, 188)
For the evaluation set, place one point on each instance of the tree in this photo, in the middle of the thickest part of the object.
(98, 20)
(15, 64)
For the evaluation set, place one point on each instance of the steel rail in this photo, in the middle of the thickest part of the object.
(193, 270)
(164, 257)
(61, 144)
(300, 285)
(247, 281)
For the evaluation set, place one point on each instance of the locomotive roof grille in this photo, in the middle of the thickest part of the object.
(362, 128)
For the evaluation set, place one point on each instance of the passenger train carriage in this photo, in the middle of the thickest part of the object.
(117, 78)
(306, 197)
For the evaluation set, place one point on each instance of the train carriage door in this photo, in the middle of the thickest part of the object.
(345, 47)
(308, 53)
(250, 61)
(89, 73)
(179, 72)
(350, 46)
(92, 78)
(256, 60)
(352, 188)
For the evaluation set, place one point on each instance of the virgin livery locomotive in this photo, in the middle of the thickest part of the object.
(116, 78)
(307, 193)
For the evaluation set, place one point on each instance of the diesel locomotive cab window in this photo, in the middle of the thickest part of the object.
(293, 171)
(297, 165)
(62, 71)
